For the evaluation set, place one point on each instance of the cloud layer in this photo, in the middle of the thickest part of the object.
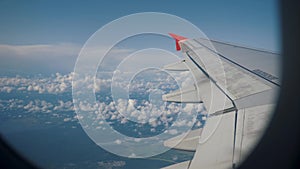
(139, 108)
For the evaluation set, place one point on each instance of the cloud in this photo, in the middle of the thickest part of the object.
(6, 89)
(67, 119)
(11, 104)
(37, 106)
(118, 141)
(64, 106)
(132, 155)
(47, 107)
(111, 164)
(40, 50)
(55, 84)
(121, 110)
(45, 58)
(189, 107)
(173, 132)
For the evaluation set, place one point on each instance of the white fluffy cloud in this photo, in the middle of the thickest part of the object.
(121, 109)
(56, 84)
(47, 107)
(37, 106)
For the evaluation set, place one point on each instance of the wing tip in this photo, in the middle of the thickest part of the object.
(177, 39)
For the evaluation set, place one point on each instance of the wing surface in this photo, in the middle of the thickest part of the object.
(186, 141)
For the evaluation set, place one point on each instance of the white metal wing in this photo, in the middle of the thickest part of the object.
(237, 86)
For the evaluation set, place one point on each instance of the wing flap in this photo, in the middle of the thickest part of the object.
(178, 66)
(215, 149)
(250, 127)
(188, 95)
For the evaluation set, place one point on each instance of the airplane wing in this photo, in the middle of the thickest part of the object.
(237, 85)
(181, 165)
(186, 141)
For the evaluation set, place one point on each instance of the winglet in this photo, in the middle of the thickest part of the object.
(177, 39)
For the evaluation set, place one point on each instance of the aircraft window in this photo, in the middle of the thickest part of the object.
(145, 102)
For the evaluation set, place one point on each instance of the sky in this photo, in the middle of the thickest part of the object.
(45, 31)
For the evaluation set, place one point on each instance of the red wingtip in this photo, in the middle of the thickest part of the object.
(177, 39)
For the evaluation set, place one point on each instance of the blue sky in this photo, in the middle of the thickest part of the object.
(30, 22)
(252, 23)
